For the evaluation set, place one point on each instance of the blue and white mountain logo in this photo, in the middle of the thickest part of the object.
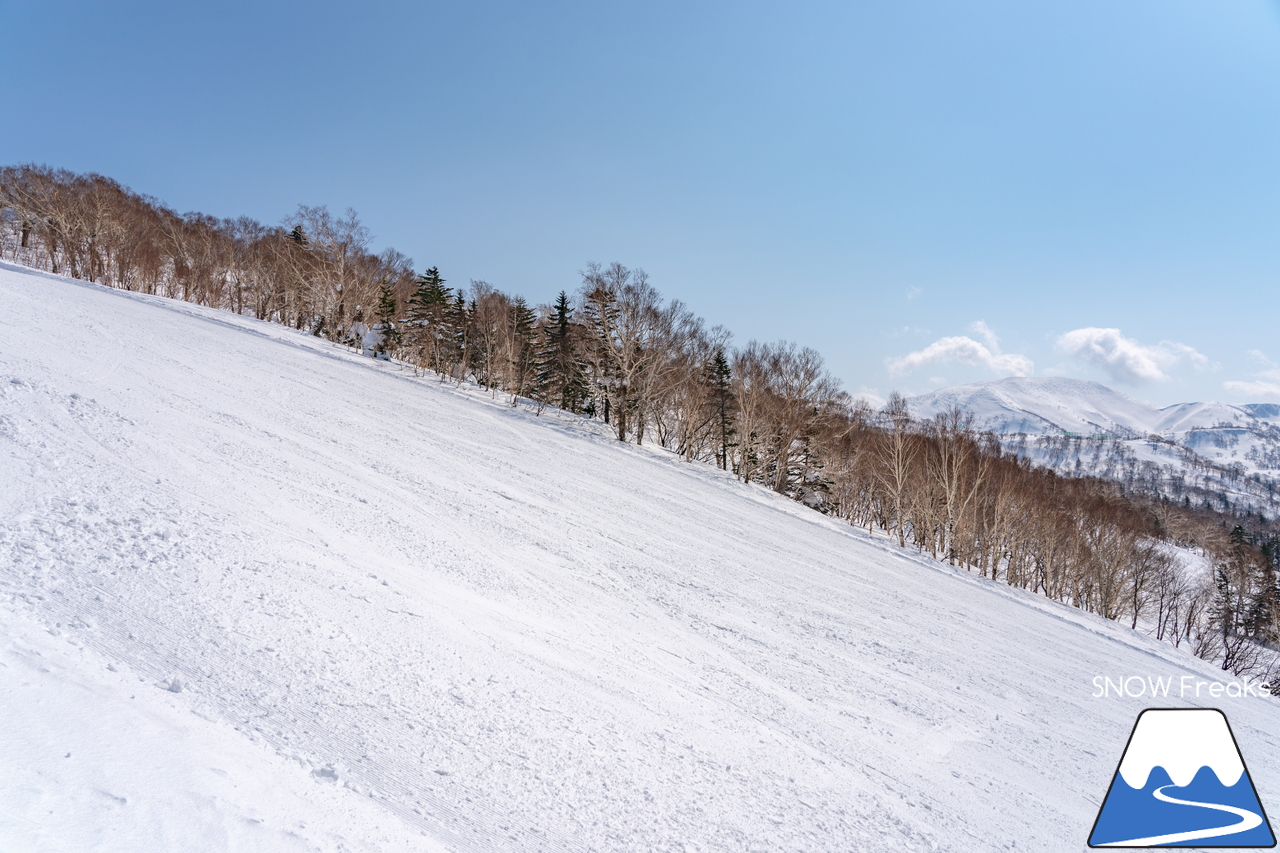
(1182, 783)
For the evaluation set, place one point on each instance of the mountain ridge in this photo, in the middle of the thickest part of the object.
(1224, 454)
(1060, 403)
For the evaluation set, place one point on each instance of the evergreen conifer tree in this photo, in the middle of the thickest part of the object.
(719, 378)
(522, 355)
(460, 322)
(430, 297)
(389, 332)
(600, 316)
(560, 377)
(431, 329)
(1264, 608)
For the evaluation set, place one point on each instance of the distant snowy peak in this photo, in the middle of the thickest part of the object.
(1042, 405)
(1202, 452)
(1055, 405)
(1181, 741)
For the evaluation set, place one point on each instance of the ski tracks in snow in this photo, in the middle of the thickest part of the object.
(513, 632)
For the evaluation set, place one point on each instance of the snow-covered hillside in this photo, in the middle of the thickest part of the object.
(260, 593)
(1202, 450)
(1042, 405)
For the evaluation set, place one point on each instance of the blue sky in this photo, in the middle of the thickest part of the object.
(926, 192)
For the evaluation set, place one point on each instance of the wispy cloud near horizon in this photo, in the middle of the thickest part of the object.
(1265, 383)
(962, 349)
(1125, 359)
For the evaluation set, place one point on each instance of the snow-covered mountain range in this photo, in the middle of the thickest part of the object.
(259, 593)
(1058, 405)
(1200, 450)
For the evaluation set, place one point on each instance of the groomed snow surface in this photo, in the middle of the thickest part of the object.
(260, 593)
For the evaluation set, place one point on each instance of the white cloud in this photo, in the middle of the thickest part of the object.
(1260, 390)
(1125, 359)
(982, 330)
(1265, 384)
(964, 350)
(913, 292)
(1198, 360)
(1261, 357)
(871, 396)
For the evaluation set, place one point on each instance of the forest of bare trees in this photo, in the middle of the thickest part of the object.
(312, 272)
(770, 413)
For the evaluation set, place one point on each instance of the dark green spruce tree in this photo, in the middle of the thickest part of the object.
(523, 353)
(719, 378)
(1264, 607)
(460, 321)
(430, 326)
(560, 378)
(388, 330)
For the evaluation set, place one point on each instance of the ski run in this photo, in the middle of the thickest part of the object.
(258, 592)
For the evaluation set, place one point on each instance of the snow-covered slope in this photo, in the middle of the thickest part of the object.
(1179, 419)
(418, 618)
(97, 758)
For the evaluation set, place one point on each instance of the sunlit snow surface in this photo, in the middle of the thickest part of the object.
(96, 758)
(468, 626)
